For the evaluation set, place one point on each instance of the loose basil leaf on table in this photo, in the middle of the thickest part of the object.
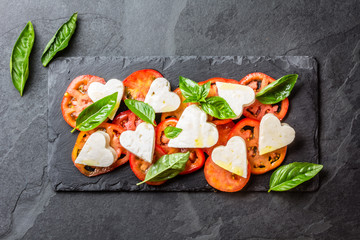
(277, 90)
(96, 113)
(172, 132)
(218, 107)
(60, 40)
(143, 110)
(289, 176)
(19, 61)
(167, 167)
(192, 91)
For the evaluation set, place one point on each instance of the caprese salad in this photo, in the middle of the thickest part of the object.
(236, 125)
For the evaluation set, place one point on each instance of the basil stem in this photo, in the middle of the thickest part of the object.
(19, 61)
(96, 113)
(218, 107)
(277, 90)
(289, 176)
(60, 40)
(167, 167)
(143, 110)
(172, 132)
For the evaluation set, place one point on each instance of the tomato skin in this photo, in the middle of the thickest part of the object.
(127, 120)
(76, 99)
(222, 179)
(224, 131)
(138, 83)
(257, 81)
(114, 132)
(140, 167)
(248, 129)
(196, 161)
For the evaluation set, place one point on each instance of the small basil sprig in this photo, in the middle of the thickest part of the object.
(167, 167)
(96, 113)
(289, 176)
(143, 110)
(172, 132)
(60, 40)
(195, 93)
(277, 90)
(19, 61)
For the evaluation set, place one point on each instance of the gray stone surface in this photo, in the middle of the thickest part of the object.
(303, 102)
(328, 30)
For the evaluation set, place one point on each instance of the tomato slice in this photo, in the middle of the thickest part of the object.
(138, 83)
(127, 120)
(161, 139)
(248, 129)
(140, 166)
(177, 113)
(222, 179)
(257, 81)
(224, 131)
(76, 99)
(114, 132)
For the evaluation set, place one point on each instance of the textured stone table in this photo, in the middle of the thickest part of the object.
(327, 30)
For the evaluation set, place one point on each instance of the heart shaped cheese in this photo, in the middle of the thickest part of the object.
(161, 98)
(97, 151)
(236, 95)
(196, 132)
(232, 157)
(98, 91)
(140, 142)
(274, 135)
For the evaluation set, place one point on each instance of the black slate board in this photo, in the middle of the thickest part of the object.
(302, 115)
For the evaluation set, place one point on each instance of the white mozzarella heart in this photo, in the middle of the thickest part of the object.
(97, 151)
(232, 157)
(140, 142)
(161, 98)
(98, 91)
(196, 132)
(236, 95)
(274, 135)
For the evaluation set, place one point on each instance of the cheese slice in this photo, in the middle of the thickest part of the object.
(273, 134)
(236, 95)
(97, 151)
(140, 142)
(232, 157)
(161, 98)
(196, 132)
(98, 91)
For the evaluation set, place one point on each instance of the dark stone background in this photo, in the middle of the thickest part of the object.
(327, 30)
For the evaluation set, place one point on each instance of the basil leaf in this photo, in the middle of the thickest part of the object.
(167, 167)
(60, 40)
(172, 132)
(189, 88)
(142, 110)
(19, 61)
(218, 107)
(191, 100)
(289, 176)
(205, 89)
(96, 113)
(277, 90)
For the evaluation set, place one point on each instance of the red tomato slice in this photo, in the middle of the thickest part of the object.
(127, 120)
(248, 129)
(222, 179)
(197, 157)
(224, 131)
(140, 167)
(257, 110)
(114, 132)
(177, 113)
(138, 83)
(76, 99)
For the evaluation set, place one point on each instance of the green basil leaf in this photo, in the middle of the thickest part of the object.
(191, 100)
(189, 88)
(142, 110)
(277, 90)
(60, 40)
(96, 113)
(172, 132)
(19, 61)
(205, 89)
(218, 107)
(289, 176)
(167, 167)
